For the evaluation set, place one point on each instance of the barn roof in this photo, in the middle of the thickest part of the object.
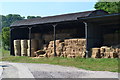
(58, 18)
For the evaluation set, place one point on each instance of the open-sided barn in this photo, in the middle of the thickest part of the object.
(95, 28)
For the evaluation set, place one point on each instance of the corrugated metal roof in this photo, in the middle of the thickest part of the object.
(57, 18)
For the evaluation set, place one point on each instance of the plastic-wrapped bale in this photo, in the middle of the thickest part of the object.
(17, 49)
(24, 47)
(95, 52)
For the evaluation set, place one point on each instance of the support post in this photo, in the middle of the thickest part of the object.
(54, 26)
(86, 37)
(30, 38)
(11, 42)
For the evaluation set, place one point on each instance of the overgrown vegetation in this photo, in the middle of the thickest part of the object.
(88, 64)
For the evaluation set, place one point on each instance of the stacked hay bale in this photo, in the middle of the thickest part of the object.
(17, 48)
(105, 52)
(96, 53)
(75, 47)
(67, 48)
(50, 49)
(23, 47)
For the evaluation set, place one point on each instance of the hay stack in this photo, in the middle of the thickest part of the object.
(67, 48)
(17, 46)
(108, 52)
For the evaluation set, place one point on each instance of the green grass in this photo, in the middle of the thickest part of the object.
(4, 53)
(88, 64)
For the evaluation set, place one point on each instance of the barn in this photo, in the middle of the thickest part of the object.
(97, 27)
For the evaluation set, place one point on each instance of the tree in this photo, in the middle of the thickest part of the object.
(30, 17)
(6, 37)
(110, 7)
(9, 19)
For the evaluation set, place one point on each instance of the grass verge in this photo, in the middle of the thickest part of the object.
(88, 64)
(4, 53)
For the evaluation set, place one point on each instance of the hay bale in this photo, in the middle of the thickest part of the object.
(24, 44)
(69, 46)
(108, 49)
(107, 55)
(119, 55)
(23, 51)
(24, 47)
(17, 47)
(113, 55)
(95, 52)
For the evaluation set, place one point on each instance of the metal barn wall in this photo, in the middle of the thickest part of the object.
(94, 36)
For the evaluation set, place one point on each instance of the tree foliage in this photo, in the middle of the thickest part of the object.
(30, 17)
(110, 7)
(6, 37)
(9, 19)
